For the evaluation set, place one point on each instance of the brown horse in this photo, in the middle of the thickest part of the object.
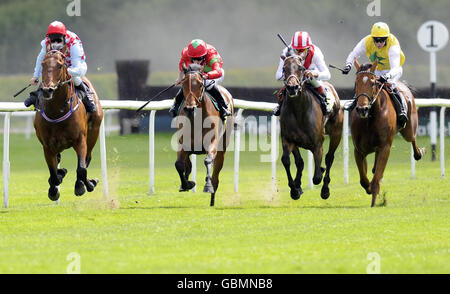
(304, 125)
(374, 125)
(202, 131)
(61, 122)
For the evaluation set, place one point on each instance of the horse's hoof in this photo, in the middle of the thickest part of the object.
(91, 185)
(325, 192)
(189, 186)
(53, 193)
(419, 156)
(79, 188)
(295, 194)
(208, 189)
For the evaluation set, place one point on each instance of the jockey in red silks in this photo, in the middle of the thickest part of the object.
(316, 69)
(198, 51)
(57, 37)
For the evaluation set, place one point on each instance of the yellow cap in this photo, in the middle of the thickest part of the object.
(380, 29)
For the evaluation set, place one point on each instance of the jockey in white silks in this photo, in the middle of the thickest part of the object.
(316, 69)
(57, 37)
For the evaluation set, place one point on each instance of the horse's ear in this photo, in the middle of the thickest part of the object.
(357, 65)
(374, 65)
(48, 47)
(283, 57)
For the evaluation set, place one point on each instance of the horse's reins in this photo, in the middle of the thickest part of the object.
(371, 99)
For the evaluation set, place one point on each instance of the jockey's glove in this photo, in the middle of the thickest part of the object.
(347, 69)
(383, 78)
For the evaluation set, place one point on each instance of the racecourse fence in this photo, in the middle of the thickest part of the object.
(110, 106)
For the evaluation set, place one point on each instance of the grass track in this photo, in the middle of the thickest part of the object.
(253, 231)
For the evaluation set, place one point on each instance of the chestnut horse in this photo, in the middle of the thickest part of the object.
(303, 125)
(202, 131)
(61, 122)
(374, 125)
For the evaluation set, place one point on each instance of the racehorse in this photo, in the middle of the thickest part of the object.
(61, 122)
(210, 138)
(303, 125)
(374, 125)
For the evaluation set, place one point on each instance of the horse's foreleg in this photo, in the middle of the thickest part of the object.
(318, 170)
(82, 183)
(286, 160)
(361, 163)
(181, 168)
(218, 164)
(382, 157)
(55, 178)
(209, 161)
(329, 159)
(299, 163)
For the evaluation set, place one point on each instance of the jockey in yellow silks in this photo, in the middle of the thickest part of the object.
(383, 46)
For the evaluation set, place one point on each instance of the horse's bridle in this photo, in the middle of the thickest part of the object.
(293, 75)
(68, 76)
(372, 99)
(198, 100)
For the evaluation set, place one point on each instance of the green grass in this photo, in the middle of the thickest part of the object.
(252, 231)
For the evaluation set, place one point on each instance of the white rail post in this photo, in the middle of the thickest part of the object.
(194, 171)
(103, 161)
(345, 147)
(413, 164)
(237, 148)
(310, 169)
(442, 140)
(6, 165)
(151, 161)
(273, 150)
(29, 127)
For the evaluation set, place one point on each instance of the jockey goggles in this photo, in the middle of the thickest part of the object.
(56, 38)
(379, 39)
(201, 58)
(298, 51)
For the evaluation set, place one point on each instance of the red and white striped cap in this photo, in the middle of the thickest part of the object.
(301, 40)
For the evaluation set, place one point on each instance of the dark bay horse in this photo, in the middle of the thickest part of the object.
(304, 125)
(201, 131)
(374, 125)
(61, 122)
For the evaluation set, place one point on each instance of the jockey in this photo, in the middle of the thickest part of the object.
(204, 54)
(57, 37)
(316, 69)
(385, 47)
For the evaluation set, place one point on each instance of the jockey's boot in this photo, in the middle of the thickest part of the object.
(33, 99)
(178, 99)
(400, 108)
(88, 97)
(323, 100)
(214, 91)
(281, 94)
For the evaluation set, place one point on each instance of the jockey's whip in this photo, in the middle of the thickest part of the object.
(332, 66)
(15, 95)
(154, 97)
(282, 40)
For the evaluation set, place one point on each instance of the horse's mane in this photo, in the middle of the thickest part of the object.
(194, 67)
